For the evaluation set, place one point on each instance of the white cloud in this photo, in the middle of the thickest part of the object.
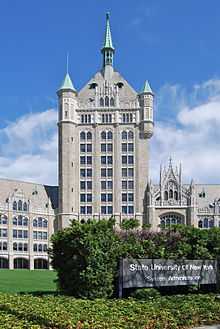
(192, 137)
(28, 148)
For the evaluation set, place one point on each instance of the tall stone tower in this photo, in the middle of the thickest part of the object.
(103, 145)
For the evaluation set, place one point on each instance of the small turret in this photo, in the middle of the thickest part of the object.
(67, 97)
(108, 51)
(146, 100)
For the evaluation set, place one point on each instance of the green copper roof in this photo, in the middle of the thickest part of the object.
(108, 36)
(147, 88)
(67, 83)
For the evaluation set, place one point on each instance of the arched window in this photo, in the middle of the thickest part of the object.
(101, 101)
(40, 248)
(206, 223)
(15, 246)
(3, 219)
(175, 195)
(25, 208)
(35, 247)
(45, 247)
(5, 245)
(44, 223)
(211, 223)
(15, 221)
(82, 135)
(25, 221)
(20, 246)
(25, 247)
(19, 205)
(20, 220)
(130, 135)
(89, 135)
(109, 135)
(165, 195)
(14, 205)
(124, 135)
(171, 219)
(40, 222)
(34, 222)
(103, 135)
(106, 101)
(170, 194)
(112, 102)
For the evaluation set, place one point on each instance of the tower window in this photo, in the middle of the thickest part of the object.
(112, 102)
(106, 101)
(101, 101)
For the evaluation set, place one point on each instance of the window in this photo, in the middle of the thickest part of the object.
(109, 172)
(106, 101)
(82, 160)
(109, 135)
(86, 210)
(103, 172)
(82, 135)
(89, 185)
(170, 219)
(124, 185)
(3, 219)
(82, 198)
(124, 147)
(14, 205)
(19, 205)
(130, 197)
(89, 172)
(130, 172)
(109, 147)
(130, 159)
(124, 135)
(3, 233)
(124, 172)
(101, 101)
(106, 210)
(112, 102)
(130, 147)
(25, 207)
(130, 135)
(89, 148)
(103, 185)
(89, 135)
(82, 148)
(103, 135)
(124, 197)
(109, 184)
(82, 185)
(130, 184)
(124, 159)
(103, 147)
(20, 234)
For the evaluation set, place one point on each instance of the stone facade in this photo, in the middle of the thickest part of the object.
(103, 145)
(27, 220)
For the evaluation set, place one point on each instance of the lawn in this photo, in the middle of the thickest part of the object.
(16, 281)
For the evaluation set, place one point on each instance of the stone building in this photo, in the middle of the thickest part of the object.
(104, 131)
(103, 144)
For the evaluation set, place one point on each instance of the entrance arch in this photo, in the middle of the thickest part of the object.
(168, 219)
(41, 264)
(21, 263)
(4, 263)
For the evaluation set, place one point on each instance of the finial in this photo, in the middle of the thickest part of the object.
(170, 161)
(108, 49)
(147, 88)
(67, 63)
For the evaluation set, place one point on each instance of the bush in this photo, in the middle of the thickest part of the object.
(146, 293)
(129, 224)
(86, 256)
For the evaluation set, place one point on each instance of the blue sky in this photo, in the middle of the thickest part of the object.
(174, 44)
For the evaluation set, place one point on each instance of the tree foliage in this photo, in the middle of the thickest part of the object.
(86, 256)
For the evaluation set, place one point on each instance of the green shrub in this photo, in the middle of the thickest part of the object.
(130, 224)
(146, 293)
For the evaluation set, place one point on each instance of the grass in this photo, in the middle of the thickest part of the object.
(17, 281)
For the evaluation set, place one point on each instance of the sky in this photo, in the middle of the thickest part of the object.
(173, 44)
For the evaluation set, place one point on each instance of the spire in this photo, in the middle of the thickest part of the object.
(147, 88)
(67, 83)
(108, 49)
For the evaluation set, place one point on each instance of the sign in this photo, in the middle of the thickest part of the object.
(165, 272)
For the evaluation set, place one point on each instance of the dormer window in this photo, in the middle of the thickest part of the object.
(93, 85)
(120, 85)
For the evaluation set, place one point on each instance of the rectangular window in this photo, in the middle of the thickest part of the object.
(124, 197)
(82, 160)
(82, 210)
(130, 147)
(103, 147)
(103, 210)
(103, 159)
(124, 159)
(103, 185)
(110, 185)
(130, 184)
(109, 147)
(89, 197)
(83, 148)
(110, 172)
(109, 159)
(82, 198)
(124, 209)
(44, 236)
(20, 235)
(103, 172)
(130, 159)
(103, 197)
(89, 185)
(130, 209)
(89, 210)
(89, 148)
(4, 233)
(35, 235)
(109, 209)
(25, 234)
(130, 172)
(124, 172)
(130, 197)
(109, 197)
(82, 172)
(124, 185)
(124, 147)
(82, 185)
(89, 160)
(89, 172)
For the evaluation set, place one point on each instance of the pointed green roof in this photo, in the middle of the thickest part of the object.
(67, 83)
(147, 88)
(108, 37)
